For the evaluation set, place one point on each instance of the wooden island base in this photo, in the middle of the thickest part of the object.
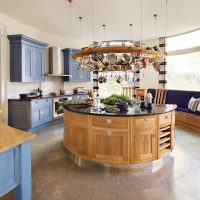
(119, 139)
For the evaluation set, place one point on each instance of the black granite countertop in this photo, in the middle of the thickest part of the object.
(46, 96)
(132, 110)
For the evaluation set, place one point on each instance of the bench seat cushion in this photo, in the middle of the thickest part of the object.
(187, 111)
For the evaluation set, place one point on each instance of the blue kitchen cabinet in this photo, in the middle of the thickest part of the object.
(70, 68)
(27, 59)
(35, 113)
(15, 163)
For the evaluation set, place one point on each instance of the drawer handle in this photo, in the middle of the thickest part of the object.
(146, 120)
(109, 133)
(109, 121)
(166, 117)
(154, 135)
(36, 102)
(47, 100)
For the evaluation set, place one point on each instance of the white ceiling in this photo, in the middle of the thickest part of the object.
(53, 16)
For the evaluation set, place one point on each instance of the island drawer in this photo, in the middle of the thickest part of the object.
(145, 123)
(165, 119)
(114, 122)
(75, 118)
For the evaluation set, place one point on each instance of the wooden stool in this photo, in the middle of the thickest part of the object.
(160, 96)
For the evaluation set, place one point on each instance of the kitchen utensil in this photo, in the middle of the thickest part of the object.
(119, 79)
(112, 58)
(137, 65)
(126, 59)
(101, 79)
(156, 66)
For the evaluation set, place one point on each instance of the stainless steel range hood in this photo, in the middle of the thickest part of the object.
(56, 62)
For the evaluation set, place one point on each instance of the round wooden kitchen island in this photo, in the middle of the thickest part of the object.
(137, 136)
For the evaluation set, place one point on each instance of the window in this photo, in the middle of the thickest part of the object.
(112, 86)
(183, 62)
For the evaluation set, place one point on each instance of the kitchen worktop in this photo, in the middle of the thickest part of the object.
(46, 96)
(11, 137)
(132, 110)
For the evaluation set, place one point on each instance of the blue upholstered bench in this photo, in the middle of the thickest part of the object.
(184, 115)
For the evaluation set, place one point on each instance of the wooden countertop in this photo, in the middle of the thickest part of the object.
(11, 137)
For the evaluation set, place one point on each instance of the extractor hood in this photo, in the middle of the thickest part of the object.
(56, 62)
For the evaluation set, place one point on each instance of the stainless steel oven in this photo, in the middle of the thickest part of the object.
(58, 108)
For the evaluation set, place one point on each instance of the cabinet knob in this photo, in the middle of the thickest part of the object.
(66, 129)
(166, 116)
(109, 121)
(109, 133)
(36, 102)
(146, 120)
(154, 135)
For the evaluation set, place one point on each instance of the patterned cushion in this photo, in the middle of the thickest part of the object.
(194, 104)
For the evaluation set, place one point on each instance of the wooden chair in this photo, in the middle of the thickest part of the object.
(128, 91)
(141, 94)
(160, 96)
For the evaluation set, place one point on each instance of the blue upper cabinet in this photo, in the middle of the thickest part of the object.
(27, 59)
(71, 68)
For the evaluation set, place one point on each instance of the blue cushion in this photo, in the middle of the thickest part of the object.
(178, 97)
(187, 111)
(196, 94)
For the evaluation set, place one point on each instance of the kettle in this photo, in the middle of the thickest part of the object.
(149, 97)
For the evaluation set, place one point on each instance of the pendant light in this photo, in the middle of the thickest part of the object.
(80, 20)
(104, 32)
(70, 18)
(156, 65)
(131, 32)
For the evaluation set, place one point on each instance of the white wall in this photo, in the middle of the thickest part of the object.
(149, 78)
(51, 84)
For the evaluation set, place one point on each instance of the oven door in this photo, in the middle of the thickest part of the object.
(58, 108)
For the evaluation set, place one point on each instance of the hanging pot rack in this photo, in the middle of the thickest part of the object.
(99, 54)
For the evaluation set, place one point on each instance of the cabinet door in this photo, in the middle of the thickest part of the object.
(77, 139)
(45, 114)
(38, 64)
(110, 146)
(27, 63)
(71, 68)
(144, 146)
(35, 117)
(85, 76)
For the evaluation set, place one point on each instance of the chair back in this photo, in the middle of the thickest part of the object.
(141, 94)
(128, 91)
(160, 96)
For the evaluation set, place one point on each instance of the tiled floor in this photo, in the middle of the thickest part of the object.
(56, 177)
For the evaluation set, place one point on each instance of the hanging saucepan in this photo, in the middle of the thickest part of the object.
(144, 62)
(156, 48)
(112, 58)
(156, 66)
(94, 57)
(101, 79)
(97, 57)
(90, 66)
(126, 59)
(137, 65)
